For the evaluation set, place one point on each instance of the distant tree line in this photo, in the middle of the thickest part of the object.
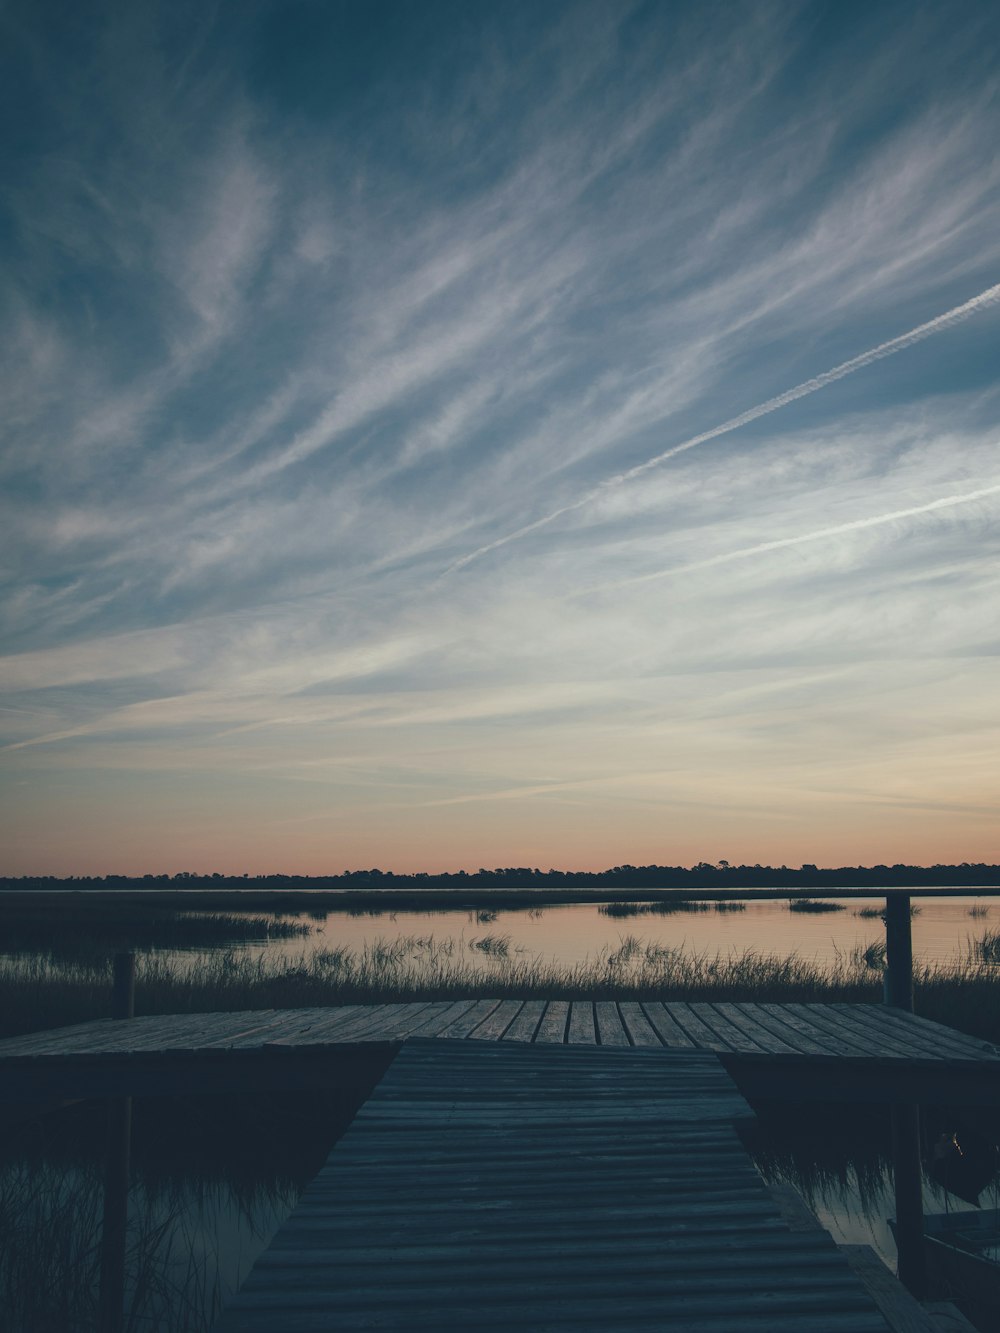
(704, 875)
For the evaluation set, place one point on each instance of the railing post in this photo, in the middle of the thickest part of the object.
(116, 1170)
(898, 952)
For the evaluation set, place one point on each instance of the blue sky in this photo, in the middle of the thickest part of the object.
(421, 448)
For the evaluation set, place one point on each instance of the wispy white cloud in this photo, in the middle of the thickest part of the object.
(279, 360)
(990, 296)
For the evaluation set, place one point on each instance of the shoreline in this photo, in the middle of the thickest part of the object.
(460, 899)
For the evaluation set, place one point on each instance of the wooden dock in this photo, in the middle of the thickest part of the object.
(848, 1051)
(490, 1185)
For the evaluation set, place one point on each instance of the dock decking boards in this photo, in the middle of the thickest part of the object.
(508, 1185)
(832, 1031)
(853, 1052)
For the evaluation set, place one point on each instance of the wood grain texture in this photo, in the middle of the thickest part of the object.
(805, 1035)
(503, 1185)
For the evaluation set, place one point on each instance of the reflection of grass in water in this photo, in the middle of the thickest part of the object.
(726, 905)
(871, 913)
(840, 1157)
(493, 946)
(814, 905)
(873, 955)
(824, 1153)
(987, 949)
(210, 1177)
(50, 1224)
(484, 916)
(979, 910)
(666, 908)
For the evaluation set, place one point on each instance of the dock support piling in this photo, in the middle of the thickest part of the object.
(898, 952)
(907, 1182)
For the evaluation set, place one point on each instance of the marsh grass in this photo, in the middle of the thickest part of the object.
(987, 949)
(979, 910)
(871, 913)
(666, 908)
(814, 905)
(39, 992)
(79, 931)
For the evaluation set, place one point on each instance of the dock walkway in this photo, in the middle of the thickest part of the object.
(848, 1050)
(502, 1185)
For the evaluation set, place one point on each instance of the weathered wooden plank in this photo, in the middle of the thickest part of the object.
(957, 1045)
(496, 1024)
(392, 1022)
(824, 1019)
(665, 1025)
(104, 1035)
(241, 1035)
(823, 1029)
(641, 1032)
(649, 1319)
(436, 1023)
(704, 1036)
(715, 1017)
(525, 1025)
(554, 1021)
(496, 1307)
(765, 1035)
(884, 1038)
(293, 1028)
(352, 1021)
(582, 1030)
(291, 1287)
(771, 1027)
(821, 1044)
(461, 1027)
(773, 1245)
(501, 1112)
(610, 1030)
(343, 1024)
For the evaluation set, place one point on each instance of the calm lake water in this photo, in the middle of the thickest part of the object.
(943, 929)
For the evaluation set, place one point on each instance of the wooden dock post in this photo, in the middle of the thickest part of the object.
(907, 1183)
(116, 1169)
(898, 952)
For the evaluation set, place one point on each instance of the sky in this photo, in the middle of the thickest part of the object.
(443, 435)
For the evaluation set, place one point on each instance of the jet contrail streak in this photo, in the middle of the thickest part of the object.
(945, 502)
(937, 325)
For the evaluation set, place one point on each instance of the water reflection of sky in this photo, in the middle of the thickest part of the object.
(942, 930)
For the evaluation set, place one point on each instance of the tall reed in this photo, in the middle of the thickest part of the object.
(38, 993)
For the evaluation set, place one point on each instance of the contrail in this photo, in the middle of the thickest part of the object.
(855, 525)
(937, 325)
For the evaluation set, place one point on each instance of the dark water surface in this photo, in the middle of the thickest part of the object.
(213, 1177)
